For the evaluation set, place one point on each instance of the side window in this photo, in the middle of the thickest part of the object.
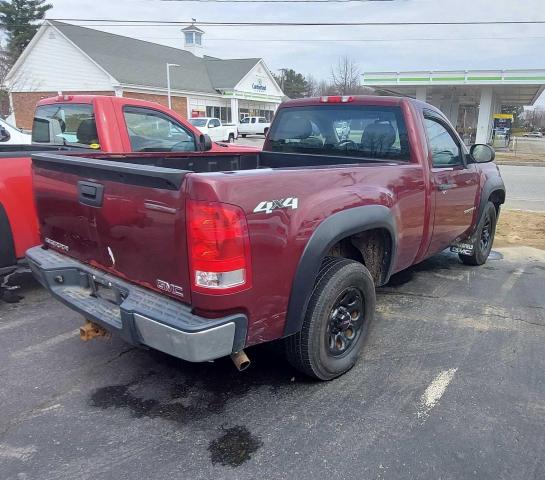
(262, 120)
(445, 150)
(215, 122)
(150, 130)
(253, 119)
(245, 120)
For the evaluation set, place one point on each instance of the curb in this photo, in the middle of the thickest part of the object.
(520, 164)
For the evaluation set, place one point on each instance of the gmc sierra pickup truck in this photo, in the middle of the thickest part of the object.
(76, 124)
(203, 257)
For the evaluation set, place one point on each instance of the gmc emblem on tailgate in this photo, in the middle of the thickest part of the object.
(170, 288)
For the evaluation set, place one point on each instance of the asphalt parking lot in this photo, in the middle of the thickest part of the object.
(251, 140)
(450, 386)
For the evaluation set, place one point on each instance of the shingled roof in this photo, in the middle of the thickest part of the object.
(137, 62)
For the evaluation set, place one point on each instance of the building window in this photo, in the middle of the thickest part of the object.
(198, 38)
(188, 38)
(223, 113)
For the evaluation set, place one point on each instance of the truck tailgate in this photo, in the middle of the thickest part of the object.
(122, 218)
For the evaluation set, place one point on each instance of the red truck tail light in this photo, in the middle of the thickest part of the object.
(219, 247)
(336, 99)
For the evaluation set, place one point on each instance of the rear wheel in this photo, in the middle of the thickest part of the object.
(243, 135)
(337, 320)
(265, 131)
(231, 138)
(484, 237)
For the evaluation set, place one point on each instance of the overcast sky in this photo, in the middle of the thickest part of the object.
(312, 50)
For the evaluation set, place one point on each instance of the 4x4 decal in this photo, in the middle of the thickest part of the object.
(269, 205)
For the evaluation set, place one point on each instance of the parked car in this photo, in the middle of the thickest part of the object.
(78, 124)
(218, 131)
(533, 134)
(203, 257)
(10, 135)
(253, 126)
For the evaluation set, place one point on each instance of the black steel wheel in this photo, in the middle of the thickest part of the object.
(345, 322)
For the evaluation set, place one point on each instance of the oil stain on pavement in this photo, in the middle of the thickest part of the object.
(234, 447)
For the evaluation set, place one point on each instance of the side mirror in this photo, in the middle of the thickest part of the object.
(4, 135)
(205, 142)
(482, 153)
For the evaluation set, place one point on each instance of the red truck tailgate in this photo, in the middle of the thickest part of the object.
(122, 218)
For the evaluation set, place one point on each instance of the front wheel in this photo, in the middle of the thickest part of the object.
(243, 135)
(484, 237)
(336, 323)
(231, 138)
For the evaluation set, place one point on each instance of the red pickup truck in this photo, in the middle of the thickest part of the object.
(201, 259)
(76, 124)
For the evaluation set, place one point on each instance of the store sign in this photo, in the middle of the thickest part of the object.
(258, 86)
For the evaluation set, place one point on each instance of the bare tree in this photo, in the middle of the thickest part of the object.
(312, 86)
(345, 76)
(325, 88)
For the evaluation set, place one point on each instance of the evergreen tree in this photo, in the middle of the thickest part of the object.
(293, 84)
(18, 19)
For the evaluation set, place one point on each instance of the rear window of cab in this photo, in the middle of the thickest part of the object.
(370, 132)
(65, 124)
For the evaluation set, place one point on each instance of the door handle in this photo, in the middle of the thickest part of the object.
(90, 193)
(442, 187)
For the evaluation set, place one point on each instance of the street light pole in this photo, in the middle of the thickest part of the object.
(168, 82)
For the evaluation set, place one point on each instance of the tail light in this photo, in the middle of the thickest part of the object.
(219, 247)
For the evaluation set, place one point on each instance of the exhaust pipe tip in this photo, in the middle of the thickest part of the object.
(241, 360)
(91, 330)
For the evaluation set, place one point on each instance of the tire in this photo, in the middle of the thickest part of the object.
(243, 135)
(317, 350)
(231, 138)
(8, 255)
(484, 237)
(265, 131)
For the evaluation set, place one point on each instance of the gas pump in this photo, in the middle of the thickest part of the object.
(501, 133)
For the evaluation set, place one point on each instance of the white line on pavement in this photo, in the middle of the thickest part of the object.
(435, 391)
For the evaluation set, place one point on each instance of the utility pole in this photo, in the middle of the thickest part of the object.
(283, 72)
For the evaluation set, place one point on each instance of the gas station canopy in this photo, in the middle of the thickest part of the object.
(482, 93)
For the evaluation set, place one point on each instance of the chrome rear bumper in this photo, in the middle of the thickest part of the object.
(140, 316)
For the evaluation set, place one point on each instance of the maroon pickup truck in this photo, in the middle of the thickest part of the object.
(200, 257)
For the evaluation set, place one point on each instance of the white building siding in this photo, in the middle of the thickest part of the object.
(54, 64)
(258, 84)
